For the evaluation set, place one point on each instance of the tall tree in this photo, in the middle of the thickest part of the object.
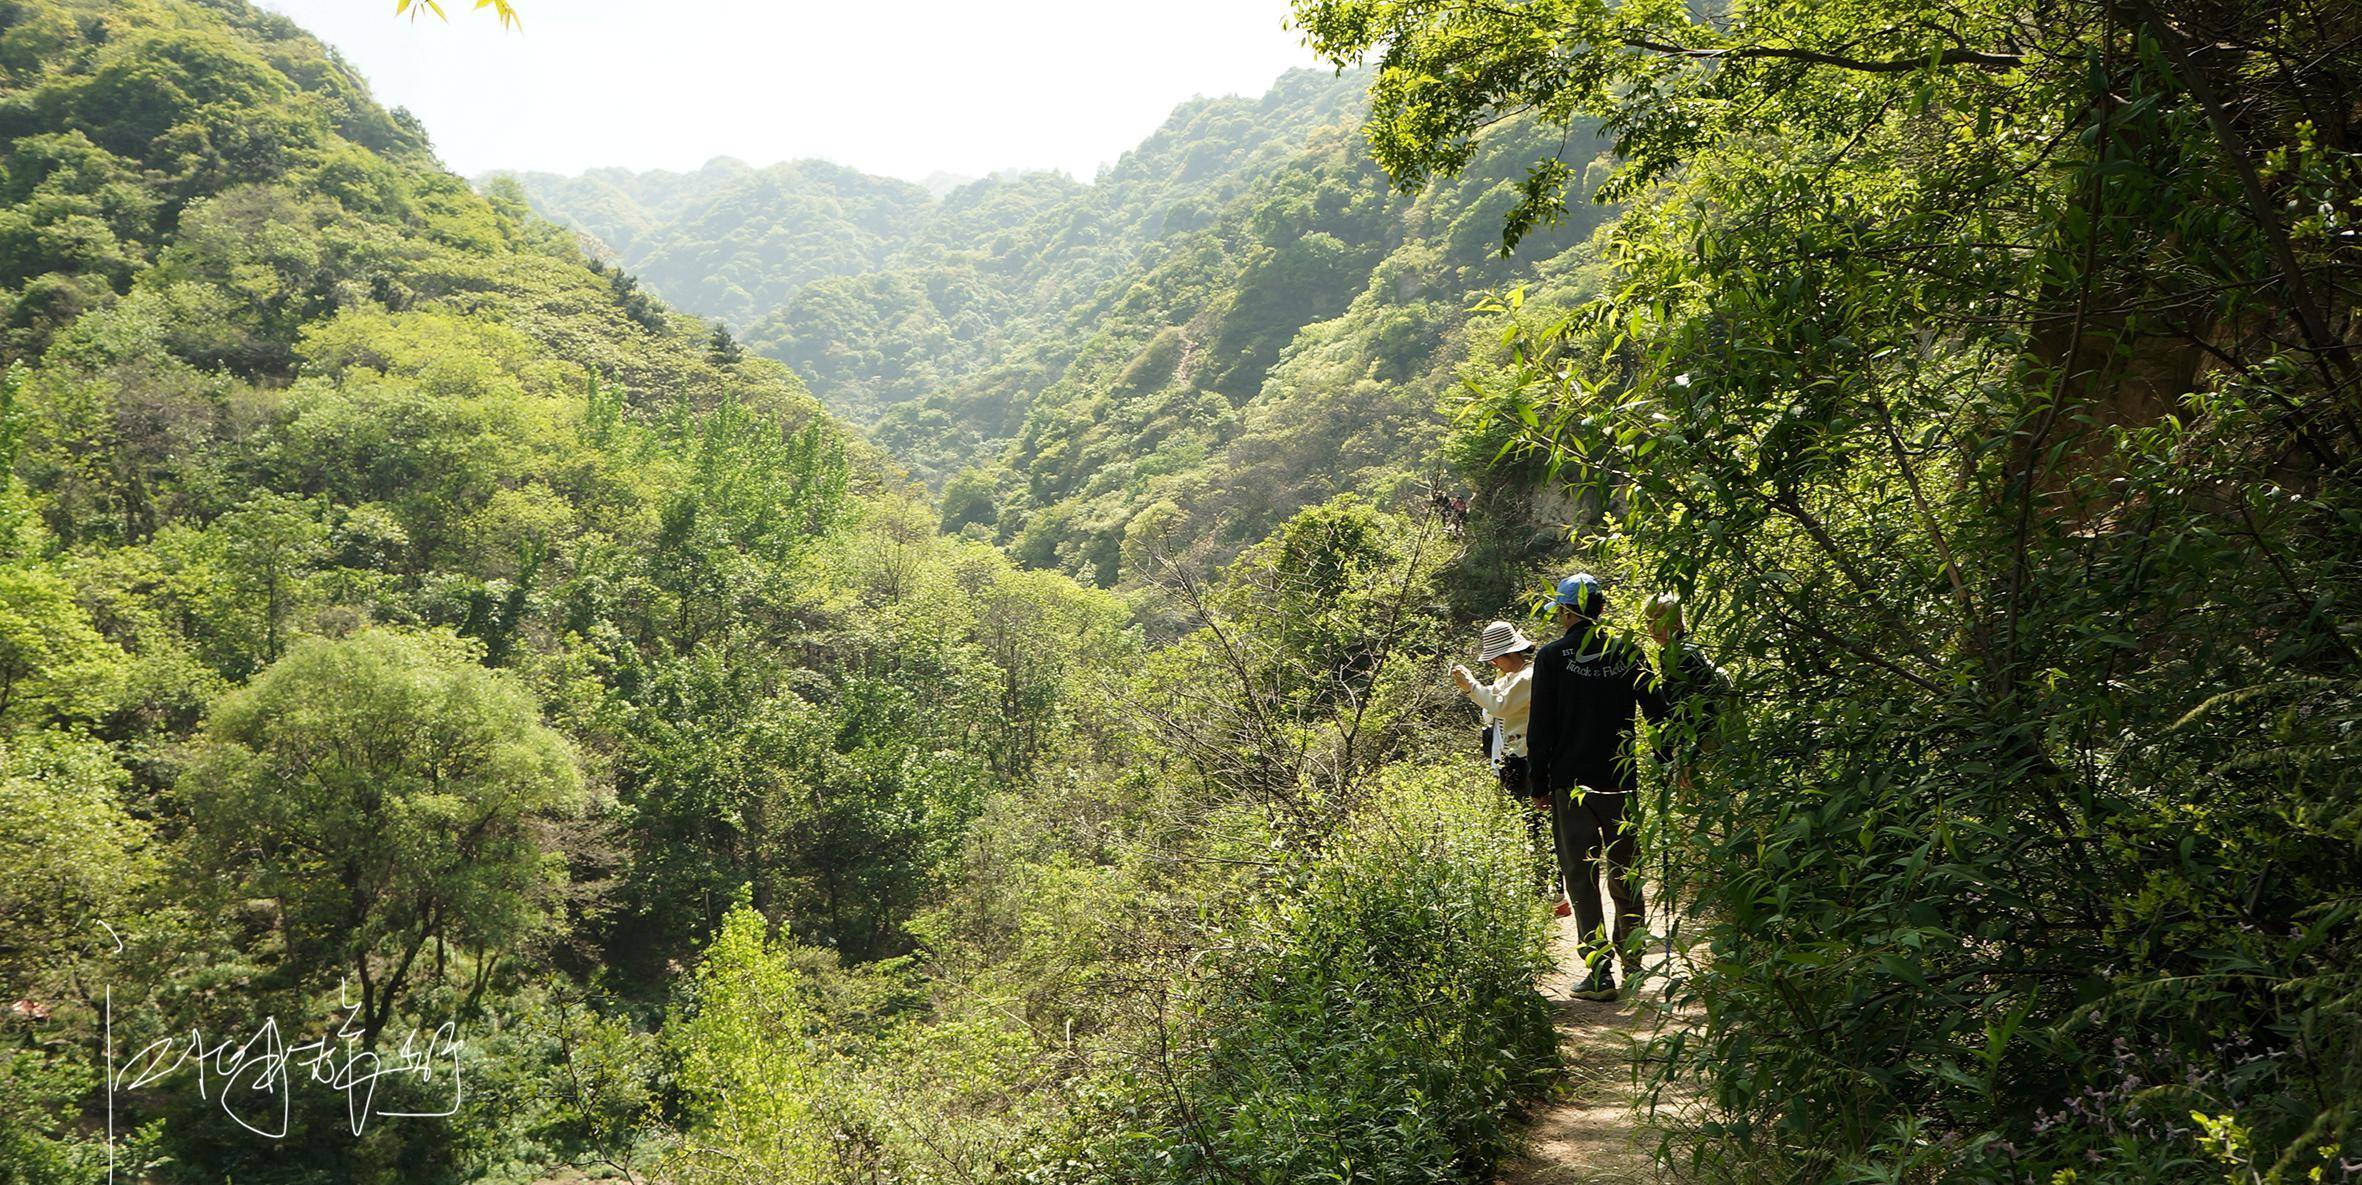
(386, 792)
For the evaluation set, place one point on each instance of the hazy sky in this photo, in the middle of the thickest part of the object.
(903, 88)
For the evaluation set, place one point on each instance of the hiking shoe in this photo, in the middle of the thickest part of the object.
(1599, 988)
(1564, 908)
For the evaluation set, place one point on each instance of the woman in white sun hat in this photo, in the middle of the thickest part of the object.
(1506, 703)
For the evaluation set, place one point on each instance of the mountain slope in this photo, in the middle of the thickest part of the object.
(1296, 347)
(1237, 320)
(379, 575)
(880, 295)
(397, 604)
(732, 241)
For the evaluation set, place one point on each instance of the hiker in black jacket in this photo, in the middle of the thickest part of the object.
(1579, 747)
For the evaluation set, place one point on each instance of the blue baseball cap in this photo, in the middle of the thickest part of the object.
(1580, 592)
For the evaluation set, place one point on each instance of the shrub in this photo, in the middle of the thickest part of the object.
(1371, 1017)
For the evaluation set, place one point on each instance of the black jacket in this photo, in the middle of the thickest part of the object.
(1587, 685)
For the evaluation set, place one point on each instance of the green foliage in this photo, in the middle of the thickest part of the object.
(1235, 323)
(1975, 379)
(740, 785)
(40, 1145)
(967, 501)
(76, 861)
(53, 664)
(751, 1068)
(262, 553)
(386, 793)
(1368, 1016)
(75, 857)
(393, 595)
(727, 240)
(1376, 1018)
(591, 1090)
(1302, 678)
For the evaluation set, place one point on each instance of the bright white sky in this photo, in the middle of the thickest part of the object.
(902, 87)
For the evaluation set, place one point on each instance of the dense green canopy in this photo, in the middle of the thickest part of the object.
(408, 618)
(408, 621)
(1986, 376)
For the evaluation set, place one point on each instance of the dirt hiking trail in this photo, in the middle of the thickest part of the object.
(1589, 1130)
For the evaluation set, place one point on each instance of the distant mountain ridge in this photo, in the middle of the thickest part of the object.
(730, 239)
(1238, 318)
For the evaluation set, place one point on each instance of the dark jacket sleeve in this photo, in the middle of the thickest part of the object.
(1542, 720)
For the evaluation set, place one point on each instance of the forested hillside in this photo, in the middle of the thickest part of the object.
(464, 720)
(1237, 320)
(408, 622)
(918, 292)
(730, 241)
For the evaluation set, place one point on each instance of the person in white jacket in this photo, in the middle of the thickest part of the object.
(1506, 704)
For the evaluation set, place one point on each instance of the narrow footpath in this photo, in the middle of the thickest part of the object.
(1589, 1131)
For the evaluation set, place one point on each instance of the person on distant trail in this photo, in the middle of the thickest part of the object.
(1505, 704)
(1579, 742)
(1692, 686)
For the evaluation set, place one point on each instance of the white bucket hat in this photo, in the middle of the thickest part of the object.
(1501, 638)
